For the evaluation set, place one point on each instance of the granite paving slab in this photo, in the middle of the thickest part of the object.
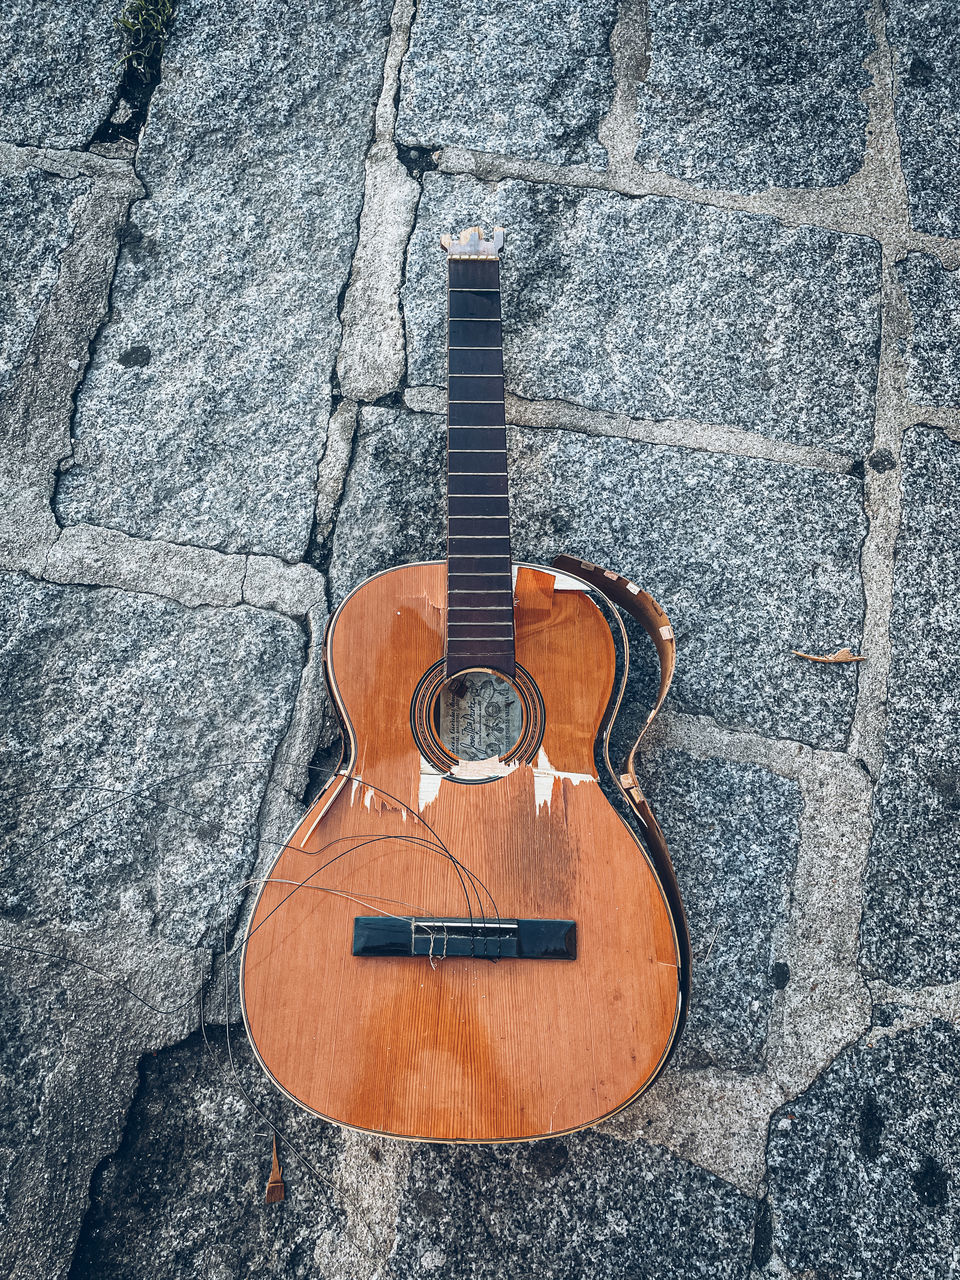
(750, 558)
(925, 38)
(911, 919)
(30, 263)
(140, 735)
(530, 81)
(205, 408)
(932, 348)
(187, 1185)
(733, 831)
(660, 308)
(864, 1165)
(745, 96)
(69, 1047)
(58, 71)
(582, 1205)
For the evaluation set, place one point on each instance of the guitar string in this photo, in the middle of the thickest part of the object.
(142, 795)
(228, 951)
(277, 1130)
(281, 847)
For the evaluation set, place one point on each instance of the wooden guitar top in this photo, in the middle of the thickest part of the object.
(462, 1048)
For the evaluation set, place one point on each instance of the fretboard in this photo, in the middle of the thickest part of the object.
(479, 569)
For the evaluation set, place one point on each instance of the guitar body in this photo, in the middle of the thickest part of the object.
(463, 1048)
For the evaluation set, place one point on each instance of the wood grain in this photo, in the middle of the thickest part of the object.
(462, 1050)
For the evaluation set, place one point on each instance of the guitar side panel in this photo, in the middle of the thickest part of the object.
(462, 1049)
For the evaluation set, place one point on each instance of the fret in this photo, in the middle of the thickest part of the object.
(461, 564)
(468, 463)
(496, 628)
(486, 653)
(475, 333)
(474, 304)
(464, 388)
(476, 583)
(478, 438)
(483, 608)
(477, 273)
(464, 504)
(481, 638)
(491, 541)
(470, 519)
(476, 484)
(476, 361)
(487, 413)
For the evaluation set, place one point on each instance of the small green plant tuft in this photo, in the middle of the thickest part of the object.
(144, 25)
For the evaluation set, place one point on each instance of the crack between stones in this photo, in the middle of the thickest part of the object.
(135, 91)
(322, 555)
(598, 423)
(123, 1146)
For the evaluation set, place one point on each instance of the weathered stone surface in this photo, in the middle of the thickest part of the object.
(526, 82)
(52, 303)
(733, 833)
(371, 359)
(580, 1206)
(750, 559)
(394, 492)
(746, 96)
(58, 71)
(30, 262)
(187, 1185)
(140, 736)
(911, 918)
(288, 588)
(933, 346)
(69, 1046)
(105, 557)
(864, 1166)
(205, 408)
(663, 309)
(926, 44)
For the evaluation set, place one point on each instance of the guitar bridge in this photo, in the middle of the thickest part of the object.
(440, 938)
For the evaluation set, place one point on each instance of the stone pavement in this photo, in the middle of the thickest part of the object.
(732, 336)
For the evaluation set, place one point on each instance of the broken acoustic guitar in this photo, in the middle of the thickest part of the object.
(464, 940)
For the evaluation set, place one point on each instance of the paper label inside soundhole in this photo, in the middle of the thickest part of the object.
(479, 715)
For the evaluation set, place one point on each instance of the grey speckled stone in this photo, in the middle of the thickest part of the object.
(750, 559)
(864, 1165)
(30, 267)
(187, 1186)
(746, 96)
(925, 38)
(578, 1208)
(528, 81)
(911, 918)
(126, 718)
(58, 71)
(663, 309)
(69, 1046)
(205, 408)
(933, 347)
(734, 833)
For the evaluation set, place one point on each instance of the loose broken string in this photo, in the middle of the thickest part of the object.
(468, 881)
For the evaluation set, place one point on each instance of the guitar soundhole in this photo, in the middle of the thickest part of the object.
(478, 715)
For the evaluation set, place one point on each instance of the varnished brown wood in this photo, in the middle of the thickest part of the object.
(462, 1050)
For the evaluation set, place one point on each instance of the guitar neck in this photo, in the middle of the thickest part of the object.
(479, 568)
